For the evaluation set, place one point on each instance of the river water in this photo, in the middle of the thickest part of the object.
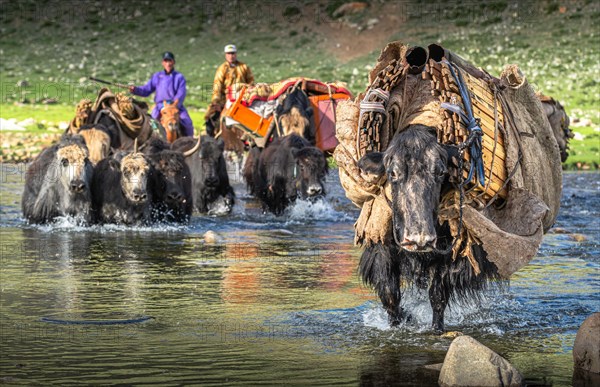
(277, 301)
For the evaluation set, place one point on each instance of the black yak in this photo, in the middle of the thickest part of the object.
(122, 191)
(289, 167)
(110, 124)
(417, 167)
(172, 185)
(154, 145)
(295, 115)
(249, 166)
(58, 182)
(209, 171)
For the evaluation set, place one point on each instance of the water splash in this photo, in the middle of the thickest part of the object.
(321, 210)
(494, 313)
(76, 224)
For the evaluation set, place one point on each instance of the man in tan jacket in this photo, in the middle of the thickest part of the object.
(229, 73)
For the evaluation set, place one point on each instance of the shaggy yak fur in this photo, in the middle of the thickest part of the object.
(172, 186)
(122, 191)
(289, 167)
(295, 115)
(249, 166)
(58, 182)
(98, 140)
(209, 171)
(416, 167)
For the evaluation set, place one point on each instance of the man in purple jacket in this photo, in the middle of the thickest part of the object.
(169, 85)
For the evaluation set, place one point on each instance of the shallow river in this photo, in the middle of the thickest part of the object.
(277, 301)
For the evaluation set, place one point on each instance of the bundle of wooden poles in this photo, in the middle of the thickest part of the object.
(487, 109)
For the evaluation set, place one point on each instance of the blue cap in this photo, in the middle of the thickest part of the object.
(168, 56)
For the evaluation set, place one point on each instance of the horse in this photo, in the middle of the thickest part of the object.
(169, 119)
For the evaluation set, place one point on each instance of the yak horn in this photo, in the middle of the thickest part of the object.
(194, 149)
(135, 146)
(221, 125)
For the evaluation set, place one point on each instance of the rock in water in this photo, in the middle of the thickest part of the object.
(212, 237)
(586, 349)
(470, 363)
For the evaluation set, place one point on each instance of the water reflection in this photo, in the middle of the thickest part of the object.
(278, 301)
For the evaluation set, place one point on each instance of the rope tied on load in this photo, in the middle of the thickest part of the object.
(473, 142)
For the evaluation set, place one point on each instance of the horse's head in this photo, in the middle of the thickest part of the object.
(169, 119)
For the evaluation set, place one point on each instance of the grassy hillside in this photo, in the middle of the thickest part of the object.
(49, 48)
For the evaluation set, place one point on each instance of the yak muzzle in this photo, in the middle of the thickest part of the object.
(77, 186)
(175, 197)
(139, 196)
(419, 243)
(314, 191)
(211, 181)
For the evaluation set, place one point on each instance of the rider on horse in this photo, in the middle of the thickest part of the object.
(169, 86)
(229, 73)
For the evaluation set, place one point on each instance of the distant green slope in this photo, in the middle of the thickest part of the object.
(55, 45)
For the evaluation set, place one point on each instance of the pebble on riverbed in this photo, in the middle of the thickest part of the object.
(212, 237)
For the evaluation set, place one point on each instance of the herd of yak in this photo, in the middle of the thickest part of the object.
(88, 176)
(84, 177)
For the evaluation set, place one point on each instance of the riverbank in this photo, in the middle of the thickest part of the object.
(27, 135)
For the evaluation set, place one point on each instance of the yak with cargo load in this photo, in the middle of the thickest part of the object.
(457, 173)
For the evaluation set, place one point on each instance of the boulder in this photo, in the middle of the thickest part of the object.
(586, 349)
(470, 363)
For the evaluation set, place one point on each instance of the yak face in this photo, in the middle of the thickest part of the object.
(212, 162)
(289, 167)
(98, 143)
(176, 177)
(135, 171)
(58, 182)
(415, 166)
(309, 170)
(75, 169)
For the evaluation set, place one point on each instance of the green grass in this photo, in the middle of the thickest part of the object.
(559, 53)
(49, 113)
(584, 152)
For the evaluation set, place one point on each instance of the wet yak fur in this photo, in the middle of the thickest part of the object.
(249, 166)
(122, 190)
(289, 167)
(209, 172)
(295, 115)
(58, 182)
(172, 186)
(416, 167)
